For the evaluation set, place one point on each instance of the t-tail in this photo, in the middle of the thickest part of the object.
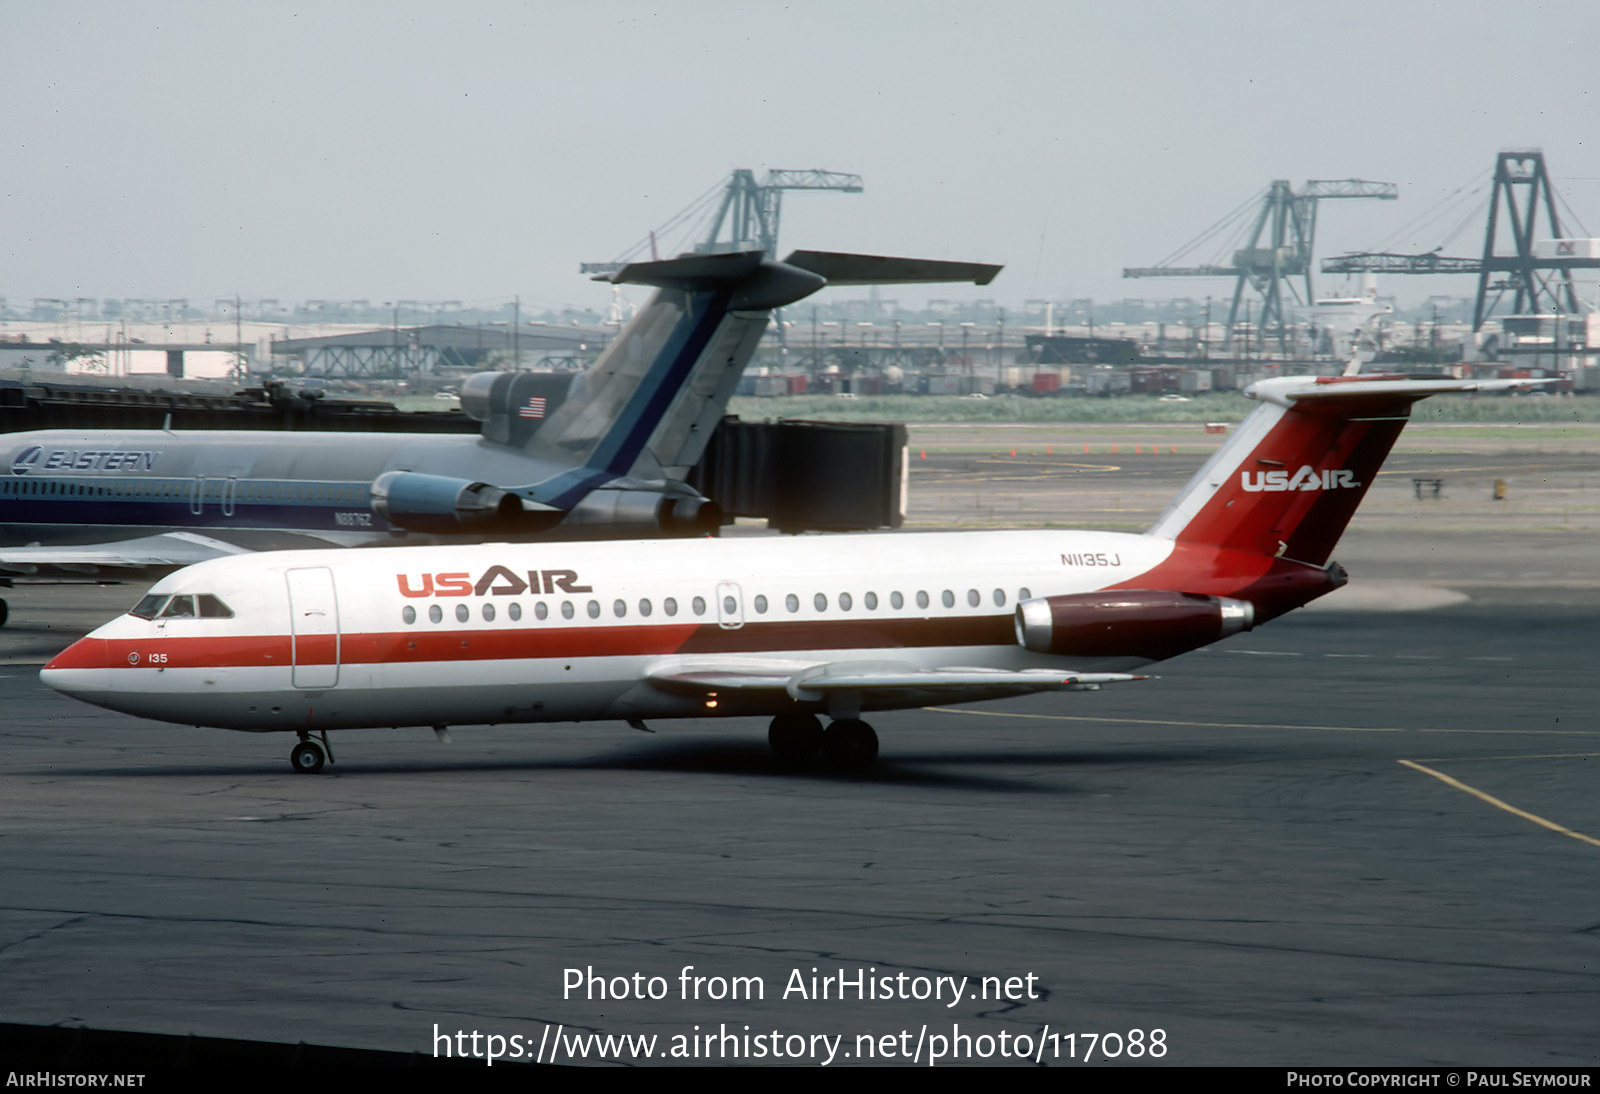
(620, 438)
(647, 408)
(1259, 521)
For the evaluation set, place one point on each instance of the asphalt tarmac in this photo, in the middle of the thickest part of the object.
(1352, 837)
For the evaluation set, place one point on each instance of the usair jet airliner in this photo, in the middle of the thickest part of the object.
(797, 629)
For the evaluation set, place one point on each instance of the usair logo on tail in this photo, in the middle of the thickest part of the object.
(1307, 478)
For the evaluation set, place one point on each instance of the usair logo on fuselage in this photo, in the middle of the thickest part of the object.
(1307, 478)
(495, 581)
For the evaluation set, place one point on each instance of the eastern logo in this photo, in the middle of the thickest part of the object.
(23, 461)
(1307, 478)
(71, 459)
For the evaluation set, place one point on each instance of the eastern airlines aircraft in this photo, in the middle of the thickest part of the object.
(793, 628)
(602, 453)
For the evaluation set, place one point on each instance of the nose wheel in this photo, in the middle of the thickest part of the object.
(307, 757)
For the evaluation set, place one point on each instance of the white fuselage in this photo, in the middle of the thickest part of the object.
(498, 633)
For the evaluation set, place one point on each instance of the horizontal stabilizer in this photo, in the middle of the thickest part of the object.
(832, 267)
(1293, 389)
(848, 269)
(689, 269)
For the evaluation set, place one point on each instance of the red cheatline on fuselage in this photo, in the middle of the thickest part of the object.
(536, 643)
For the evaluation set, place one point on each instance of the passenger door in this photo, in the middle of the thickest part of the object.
(314, 627)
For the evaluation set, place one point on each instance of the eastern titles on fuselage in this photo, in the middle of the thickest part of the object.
(38, 458)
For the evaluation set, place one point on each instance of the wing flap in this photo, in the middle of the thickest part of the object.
(812, 683)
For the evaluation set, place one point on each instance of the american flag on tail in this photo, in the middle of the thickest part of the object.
(534, 409)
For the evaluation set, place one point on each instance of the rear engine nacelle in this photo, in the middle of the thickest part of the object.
(443, 505)
(1151, 624)
(630, 513)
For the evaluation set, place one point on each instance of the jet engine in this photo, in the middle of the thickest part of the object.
(1150, 624)
(439, 504)
(624, 514)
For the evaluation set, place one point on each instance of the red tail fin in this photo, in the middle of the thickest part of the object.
(1291, 476)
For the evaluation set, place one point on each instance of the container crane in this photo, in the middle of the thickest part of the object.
(1289, 221)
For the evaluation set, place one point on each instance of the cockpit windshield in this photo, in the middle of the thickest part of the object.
(183, 606)
(149, 607)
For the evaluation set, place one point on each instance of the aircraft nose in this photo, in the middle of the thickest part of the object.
(81, 669)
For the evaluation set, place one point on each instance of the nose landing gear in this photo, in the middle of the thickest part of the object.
(307, 756)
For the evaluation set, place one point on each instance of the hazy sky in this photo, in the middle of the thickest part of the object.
(474, 151)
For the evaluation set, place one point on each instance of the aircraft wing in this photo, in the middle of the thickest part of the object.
(167, 551)
(810, 683)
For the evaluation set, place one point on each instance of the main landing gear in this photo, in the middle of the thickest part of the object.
(307, 757)
(849, 744)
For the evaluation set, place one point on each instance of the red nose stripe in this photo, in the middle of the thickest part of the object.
(85, 653)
